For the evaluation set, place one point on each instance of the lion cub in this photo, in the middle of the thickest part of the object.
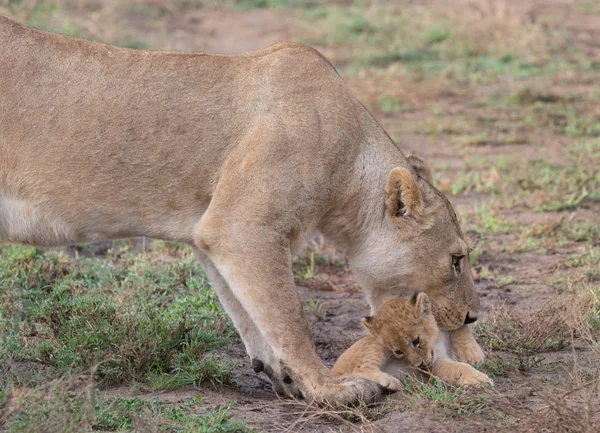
(403, 336)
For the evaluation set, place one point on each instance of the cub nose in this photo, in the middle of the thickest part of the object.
(469, 319)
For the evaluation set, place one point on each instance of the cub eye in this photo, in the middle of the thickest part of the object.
(417, 341)
(456, 261)
(398, 353)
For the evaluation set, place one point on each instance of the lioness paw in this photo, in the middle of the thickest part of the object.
(350, 391)
(471, 353)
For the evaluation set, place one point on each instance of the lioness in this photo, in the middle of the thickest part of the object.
(240, 156)
(404, 337)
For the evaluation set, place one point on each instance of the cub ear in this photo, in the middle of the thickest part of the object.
(421, 167)
(421, 301)
(473, 239)
(402, 195)
(370, 323)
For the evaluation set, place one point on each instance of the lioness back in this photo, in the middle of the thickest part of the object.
(102, 142)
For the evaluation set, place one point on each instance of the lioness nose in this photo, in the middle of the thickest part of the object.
(469, 319)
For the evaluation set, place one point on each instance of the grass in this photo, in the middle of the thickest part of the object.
(538, 184)
(71, 404)
(553, 327)
(424, 42)
(390, 104)
(128, 317)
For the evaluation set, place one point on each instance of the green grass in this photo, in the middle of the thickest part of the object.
(129, 317)
(537, 184)
(586, 256)
(70, 405)
(149, 319)
(435, 390)
(390, 104)
(425, 43)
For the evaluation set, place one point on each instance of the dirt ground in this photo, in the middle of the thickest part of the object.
(522, 280)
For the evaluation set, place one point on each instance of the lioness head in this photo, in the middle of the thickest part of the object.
(407, 328)
(418, 245)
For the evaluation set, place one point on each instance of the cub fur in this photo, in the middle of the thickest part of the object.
(403, 336)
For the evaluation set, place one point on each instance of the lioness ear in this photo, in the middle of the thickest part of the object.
(402, 195)
(421, 168)
(473, 239)
(421, 301)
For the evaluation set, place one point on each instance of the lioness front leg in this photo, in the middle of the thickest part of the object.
(258, 271)
(465, 348)
(261, 354)
(459, 373)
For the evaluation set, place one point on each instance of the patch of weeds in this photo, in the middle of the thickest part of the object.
(308, 269)
(563, 119)
(487, 182)
(390, 104)
(260, 4)
(496, 366)
(593, 309)
(587, 256)
(127, 317)
(551, 328)
(474, 257)
(538, 184)
(384, 35)
(45, 15)
(506, 280)
(478, 139)
(72, 405)
(528, 96)
(550, 234)
(579, 232)
(489, 220)
(434, 35)
(441, 397)
(435, 390)
(315, 308)
(592, 275)
(134, 43)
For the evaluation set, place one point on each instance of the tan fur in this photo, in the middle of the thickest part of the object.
(392, 337)
(240, 156)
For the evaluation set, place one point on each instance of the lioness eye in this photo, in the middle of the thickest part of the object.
(456, 263)
(417, 341)
(398, 353)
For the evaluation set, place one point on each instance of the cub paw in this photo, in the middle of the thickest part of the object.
(477, 378)
(469, 376)
(471, 353)
(389, 382)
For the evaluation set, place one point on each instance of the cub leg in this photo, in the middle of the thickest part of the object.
(465, 348)
(261, 355)
(458, 373)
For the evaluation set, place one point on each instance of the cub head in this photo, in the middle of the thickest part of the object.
(407, 328)
(414, 242)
